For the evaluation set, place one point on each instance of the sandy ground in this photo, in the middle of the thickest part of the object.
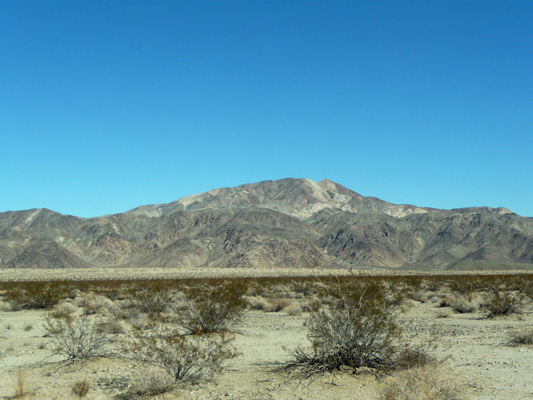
(472, 348)
(87, 274)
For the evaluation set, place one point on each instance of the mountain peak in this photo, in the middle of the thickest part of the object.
(300, 198)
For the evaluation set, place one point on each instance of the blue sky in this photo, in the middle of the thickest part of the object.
(108, 105)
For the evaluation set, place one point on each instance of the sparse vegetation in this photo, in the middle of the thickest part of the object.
(356, 327)
(182, 330)
(35, 295)
(81, 388)
(523, 337)
(180, 355)
(146, 386)
(210, 309)
(21, 389)
(429, 382)
(75, 336)
(502, 301)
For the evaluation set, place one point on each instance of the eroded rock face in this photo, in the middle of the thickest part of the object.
(286, 223)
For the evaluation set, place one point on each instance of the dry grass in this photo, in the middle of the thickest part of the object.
(21, 388)
(146, 386)
(463, 304)
(81, 387)
(277, 305)
(429, 382)
(524, 337)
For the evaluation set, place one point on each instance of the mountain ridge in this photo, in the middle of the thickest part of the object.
(284, 223)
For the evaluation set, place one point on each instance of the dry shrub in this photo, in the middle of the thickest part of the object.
(75, 336)
(419, 296)
(303, 287)
(109, 327)
(445, 301)
(465, 285)
(81, 388)
(499, 302)
(257, 303)
(356, 328)
(430, 382)
(181, 356)
(462, 304)
(293, 309)
(146, 386)
(433, 284)
(65, 308)
(35, 295)
(151, 300)
(524, 337)
(277, 305)
(210, 308)
(98, 304)
(312, 304)
(413, 358)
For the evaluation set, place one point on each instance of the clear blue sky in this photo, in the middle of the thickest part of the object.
(108, 105)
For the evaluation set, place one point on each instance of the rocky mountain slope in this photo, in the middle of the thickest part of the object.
(285, 223)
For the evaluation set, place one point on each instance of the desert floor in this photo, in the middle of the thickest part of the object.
(470, 348)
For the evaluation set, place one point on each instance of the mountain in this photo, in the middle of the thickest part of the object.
(301, 198)
(284, 223)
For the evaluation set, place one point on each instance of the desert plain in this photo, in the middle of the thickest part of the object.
(473, 353)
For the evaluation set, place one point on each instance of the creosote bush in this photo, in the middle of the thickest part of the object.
(76, 336)
(211, 308)
(356, 328)
(502, 301)
(150, 300)
(181, 356)
(462, 304)
(35, 295)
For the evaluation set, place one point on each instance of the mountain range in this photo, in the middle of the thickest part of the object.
(291, 222)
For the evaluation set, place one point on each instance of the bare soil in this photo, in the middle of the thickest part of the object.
(470, 348)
